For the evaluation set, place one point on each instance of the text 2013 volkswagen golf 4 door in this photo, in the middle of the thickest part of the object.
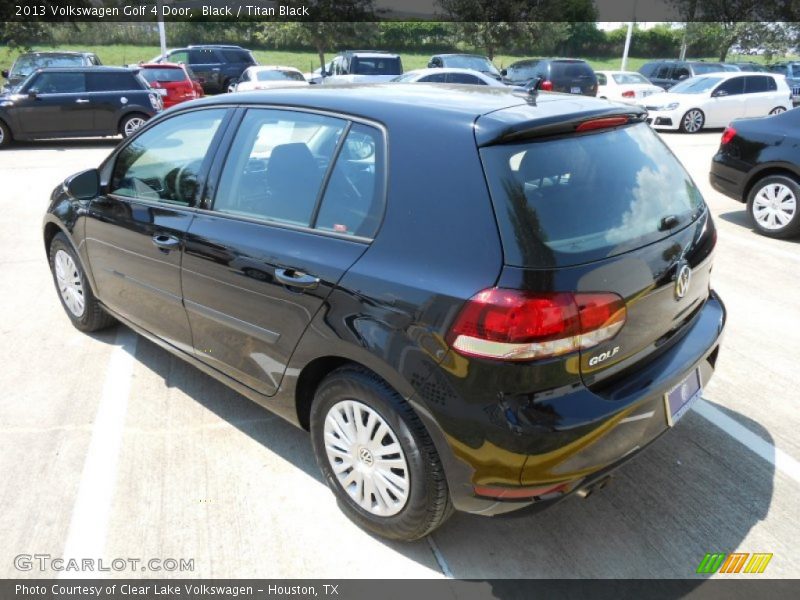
(473, 298)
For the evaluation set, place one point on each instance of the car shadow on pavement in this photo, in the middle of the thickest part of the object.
(68, 144)
(738, 217)
(696, 490)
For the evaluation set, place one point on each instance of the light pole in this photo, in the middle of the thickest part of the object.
(162, 34)
(627, 47)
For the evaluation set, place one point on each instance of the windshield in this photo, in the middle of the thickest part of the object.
(475, 63)
(279, 75)
(576, 199)
(163, 75)
(629, 78)
(695, 85)
(25, 64)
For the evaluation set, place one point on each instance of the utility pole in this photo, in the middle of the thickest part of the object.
(627, 47)
(162, 34)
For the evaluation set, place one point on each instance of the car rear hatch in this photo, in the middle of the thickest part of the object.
(573, 77)
(598, 209)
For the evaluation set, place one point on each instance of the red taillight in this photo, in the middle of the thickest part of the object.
(603, 123)
(547, 86)
(629, 94)
(728, 135)
(516, 325)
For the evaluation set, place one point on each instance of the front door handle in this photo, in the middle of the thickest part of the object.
(166, 242)
(81, 101)
(296, 279)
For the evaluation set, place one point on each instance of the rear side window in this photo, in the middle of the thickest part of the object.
(202, 57)
(112, 82)
(757, 84)
(576, 199)
(238, 56)
(353, 200)
(465, 78)
(435, 78)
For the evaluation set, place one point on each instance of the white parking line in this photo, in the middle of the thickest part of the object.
(92, 509)
(777, 457)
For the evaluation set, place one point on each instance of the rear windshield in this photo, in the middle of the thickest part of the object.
(279, 75)
(629, 78)
(567, 201)
(524, 70)
(164, 74)
(364, 65)
(560, 69)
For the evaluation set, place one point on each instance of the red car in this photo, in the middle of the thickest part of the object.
(176, 83)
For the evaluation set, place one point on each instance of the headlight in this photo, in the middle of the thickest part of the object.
(670, 106)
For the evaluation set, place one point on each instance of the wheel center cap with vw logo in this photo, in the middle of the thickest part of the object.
(682, 281)
(365, 456)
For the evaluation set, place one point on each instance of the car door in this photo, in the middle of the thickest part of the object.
(288, 219)
(55, 102)
(728, 102)
(205, 63)
(106, 91)
(135, 229)
(761, 94)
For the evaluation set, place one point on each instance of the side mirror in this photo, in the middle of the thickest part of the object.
(32, 94)
(431, 65)
(4, 73)
(84, 185)
(503, 72)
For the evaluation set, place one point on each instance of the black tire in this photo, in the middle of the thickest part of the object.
(686, 127)
(5, 136)
(229, 86)
(93, 317)
(792, 227)
(124, 125)
(428, 503)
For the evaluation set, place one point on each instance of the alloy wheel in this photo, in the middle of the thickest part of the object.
(693, 121)
(132, 125)
(70, 285)
(774, 206)
(366, 457)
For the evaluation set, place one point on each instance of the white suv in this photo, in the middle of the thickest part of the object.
(363, 66)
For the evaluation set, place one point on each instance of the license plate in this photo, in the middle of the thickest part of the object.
(680, 399)
(575, 90)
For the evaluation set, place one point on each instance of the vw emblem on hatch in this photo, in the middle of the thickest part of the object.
(682, 281)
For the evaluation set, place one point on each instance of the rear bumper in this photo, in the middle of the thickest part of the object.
(622, 418)
(727, 179)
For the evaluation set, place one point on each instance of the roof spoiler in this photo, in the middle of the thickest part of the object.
(491, 129)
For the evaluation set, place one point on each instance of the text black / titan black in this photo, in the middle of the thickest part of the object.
(473, 298)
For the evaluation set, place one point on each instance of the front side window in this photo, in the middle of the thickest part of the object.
(181, 56)
(59, 83)
(163, 163)
(731, 87)
(277, 164)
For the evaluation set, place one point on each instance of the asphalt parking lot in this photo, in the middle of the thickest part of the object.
(111, 448)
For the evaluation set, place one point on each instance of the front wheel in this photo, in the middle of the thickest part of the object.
(76, 296)
(377, 457)
(772, 203)
(693, 121)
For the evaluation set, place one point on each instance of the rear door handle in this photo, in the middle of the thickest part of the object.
(296, 279)
(166, 242)
(81, 101)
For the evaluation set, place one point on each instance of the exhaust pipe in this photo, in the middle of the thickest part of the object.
(588, 490)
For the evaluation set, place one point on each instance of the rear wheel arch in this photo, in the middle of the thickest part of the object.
(8, 135)
(768, 172)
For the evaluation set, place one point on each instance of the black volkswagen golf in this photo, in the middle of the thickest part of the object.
(473, 299)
